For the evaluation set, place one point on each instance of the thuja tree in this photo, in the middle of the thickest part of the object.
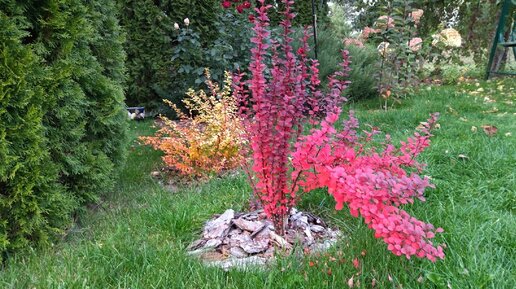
(62, 117)
(31, 203)
(81, 44)
(281, 96)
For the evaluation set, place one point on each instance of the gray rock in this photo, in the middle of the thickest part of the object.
(251, 226)
(280, 240)
(317, 228)
(218, 228)
(201, 251)
(238, 252)
(322, 247)
(254, 247)
(236, 240)
(301, 222)
(196, 244)
(240, 263)
(213, 243)
(309, 237)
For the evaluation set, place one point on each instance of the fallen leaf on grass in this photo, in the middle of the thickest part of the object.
(474, 129)
(508, 134)
(420, 279)
(488, 100)
(356, 263)
(490, 130)
(493, 110)
(463, 157)
(350, 282)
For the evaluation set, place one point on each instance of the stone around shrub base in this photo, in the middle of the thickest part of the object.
(242, 240)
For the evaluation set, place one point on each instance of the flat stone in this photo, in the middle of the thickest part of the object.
(295, 237)
(263, 234)
(240, 240)
(280, 240)
(296, 216)
(237, 252)
(213, 243)
(254, 247)
(250, 226)
(235, 232)
(218, 228)
(309, 237)
(196, 244)
(236, 240)
(240, 263)
(269, 253)
(322, 247)
(317, 228)
(301, 222)
(201, 251)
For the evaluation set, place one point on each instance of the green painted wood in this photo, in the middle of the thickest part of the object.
(508, 13)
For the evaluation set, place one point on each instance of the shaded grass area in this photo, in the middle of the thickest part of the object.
(136, 238)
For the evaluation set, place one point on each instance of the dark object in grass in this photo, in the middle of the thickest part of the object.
(240, 240)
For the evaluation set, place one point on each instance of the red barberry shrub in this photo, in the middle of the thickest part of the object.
(279, 99)
(206, 141)
(373, 182)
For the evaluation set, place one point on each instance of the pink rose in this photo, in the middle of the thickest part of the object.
(368, 31)
(353, 41)
(416, 15)
(415, 44)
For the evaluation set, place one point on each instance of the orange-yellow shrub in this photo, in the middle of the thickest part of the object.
(208, 139)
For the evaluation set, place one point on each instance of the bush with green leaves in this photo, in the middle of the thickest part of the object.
(475, 20)
(150, 44)
(229, 51)
(63, 121)
(400, 48)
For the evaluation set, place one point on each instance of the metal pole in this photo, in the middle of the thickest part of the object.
(314, 24)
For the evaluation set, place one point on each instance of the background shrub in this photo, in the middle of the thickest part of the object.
(364, 63)
(208, 139)
(62, 127)
(230, 51)
(151, 39)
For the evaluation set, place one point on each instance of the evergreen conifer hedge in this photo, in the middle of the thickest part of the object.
(62, 116)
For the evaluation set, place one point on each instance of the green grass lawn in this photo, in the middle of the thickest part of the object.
(136, 238)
